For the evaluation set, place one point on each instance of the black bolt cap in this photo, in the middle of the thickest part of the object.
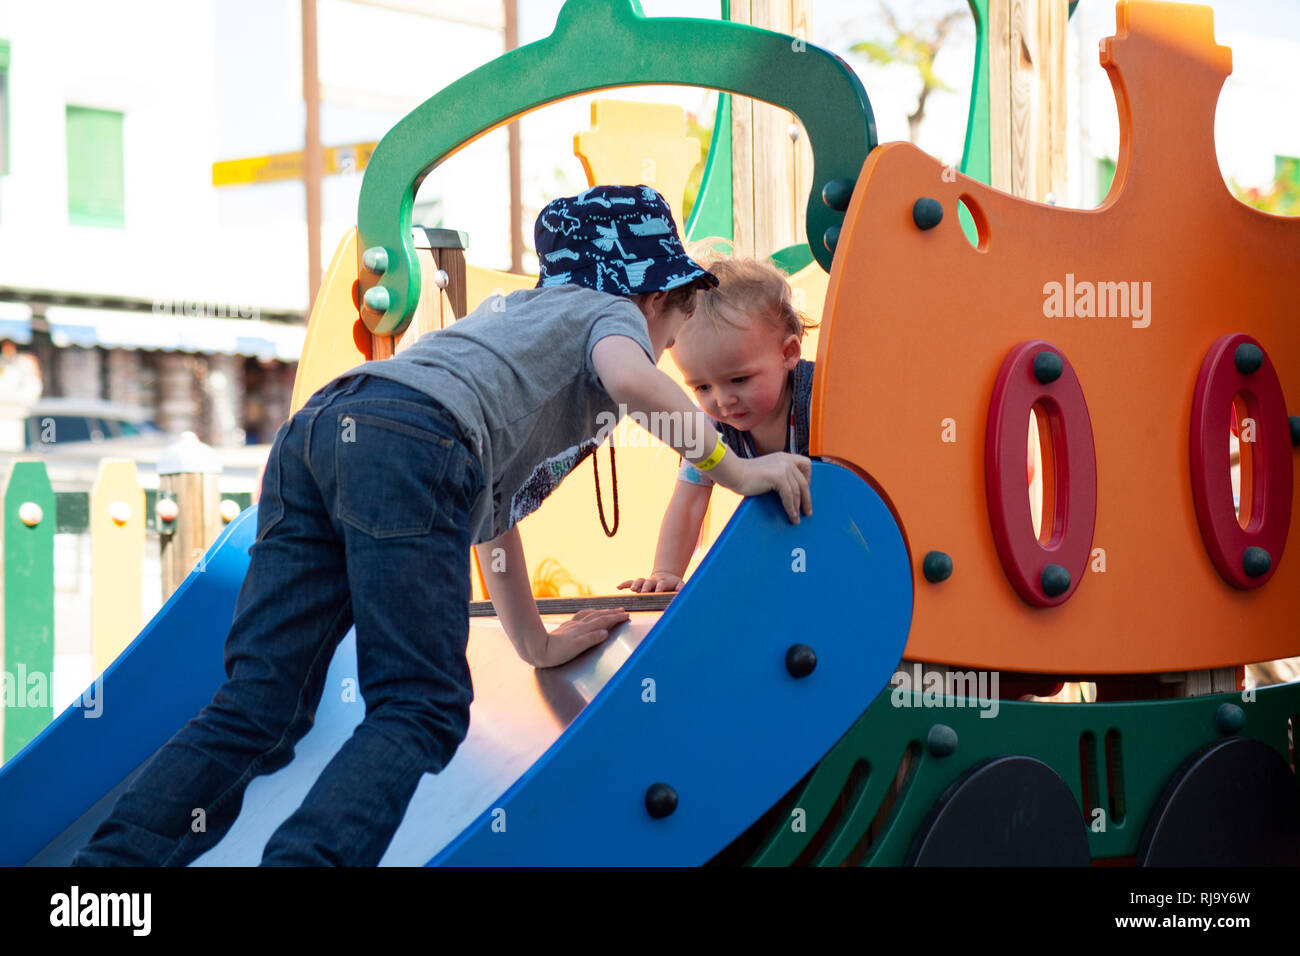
(1230, 718)
(1295, 431)
(837, 193)
(927, 213)
(1056, 580)
(1256, 562)
(660, 800)
(800, 660)
(941, 740)
(831, 238)
(936, 566)
(1047, 367)
(1248, 358)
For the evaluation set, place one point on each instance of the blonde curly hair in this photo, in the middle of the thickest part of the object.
(748, 288)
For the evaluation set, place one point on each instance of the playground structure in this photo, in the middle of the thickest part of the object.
(775, 736)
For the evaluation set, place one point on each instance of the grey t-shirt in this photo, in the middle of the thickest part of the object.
(517, 374)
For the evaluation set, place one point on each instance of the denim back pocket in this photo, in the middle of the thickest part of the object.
(389, 472)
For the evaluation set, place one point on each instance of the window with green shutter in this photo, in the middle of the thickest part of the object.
(96, 191)
(4, 107)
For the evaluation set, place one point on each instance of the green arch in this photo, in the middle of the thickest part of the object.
(604, 44)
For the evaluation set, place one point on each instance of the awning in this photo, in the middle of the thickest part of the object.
(16, 322)
(115, 329)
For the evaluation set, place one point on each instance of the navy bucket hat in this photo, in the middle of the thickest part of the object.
(616, 239)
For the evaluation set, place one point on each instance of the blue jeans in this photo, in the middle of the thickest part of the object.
(363, 518)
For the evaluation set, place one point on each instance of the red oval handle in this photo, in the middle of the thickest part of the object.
(1270, 490)
(1073, 504)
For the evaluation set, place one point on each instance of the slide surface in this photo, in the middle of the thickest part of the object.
(542, 778)
(56, 791)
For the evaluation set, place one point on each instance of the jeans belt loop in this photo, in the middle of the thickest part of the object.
(353, 383)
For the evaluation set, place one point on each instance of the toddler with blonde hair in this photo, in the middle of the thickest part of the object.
(740, 358)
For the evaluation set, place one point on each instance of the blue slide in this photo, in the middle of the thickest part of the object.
(657, 748)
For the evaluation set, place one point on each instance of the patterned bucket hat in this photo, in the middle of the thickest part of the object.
(616, 239)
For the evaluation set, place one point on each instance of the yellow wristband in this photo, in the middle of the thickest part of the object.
(714, 458)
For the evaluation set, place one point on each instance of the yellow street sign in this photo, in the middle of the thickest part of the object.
(280, 166)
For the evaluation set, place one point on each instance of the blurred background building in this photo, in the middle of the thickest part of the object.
(137, 265)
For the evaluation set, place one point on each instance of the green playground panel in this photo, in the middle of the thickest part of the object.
(597, 45)
(843, 794)
(975, 158)
(711, 216)
(28, 657)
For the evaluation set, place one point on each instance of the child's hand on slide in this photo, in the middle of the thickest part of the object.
(656, 582)
(585, 629)
(788, 475)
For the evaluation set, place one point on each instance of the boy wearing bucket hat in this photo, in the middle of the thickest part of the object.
(387, 476)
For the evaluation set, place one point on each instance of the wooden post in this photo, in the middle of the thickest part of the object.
(515, 148)
(27, 642)
(188, 472)
(1027, 84)
(771, 157)
(313, 157)
(116, 560)
(438, 250)
(451, 260)
(1217, 680)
